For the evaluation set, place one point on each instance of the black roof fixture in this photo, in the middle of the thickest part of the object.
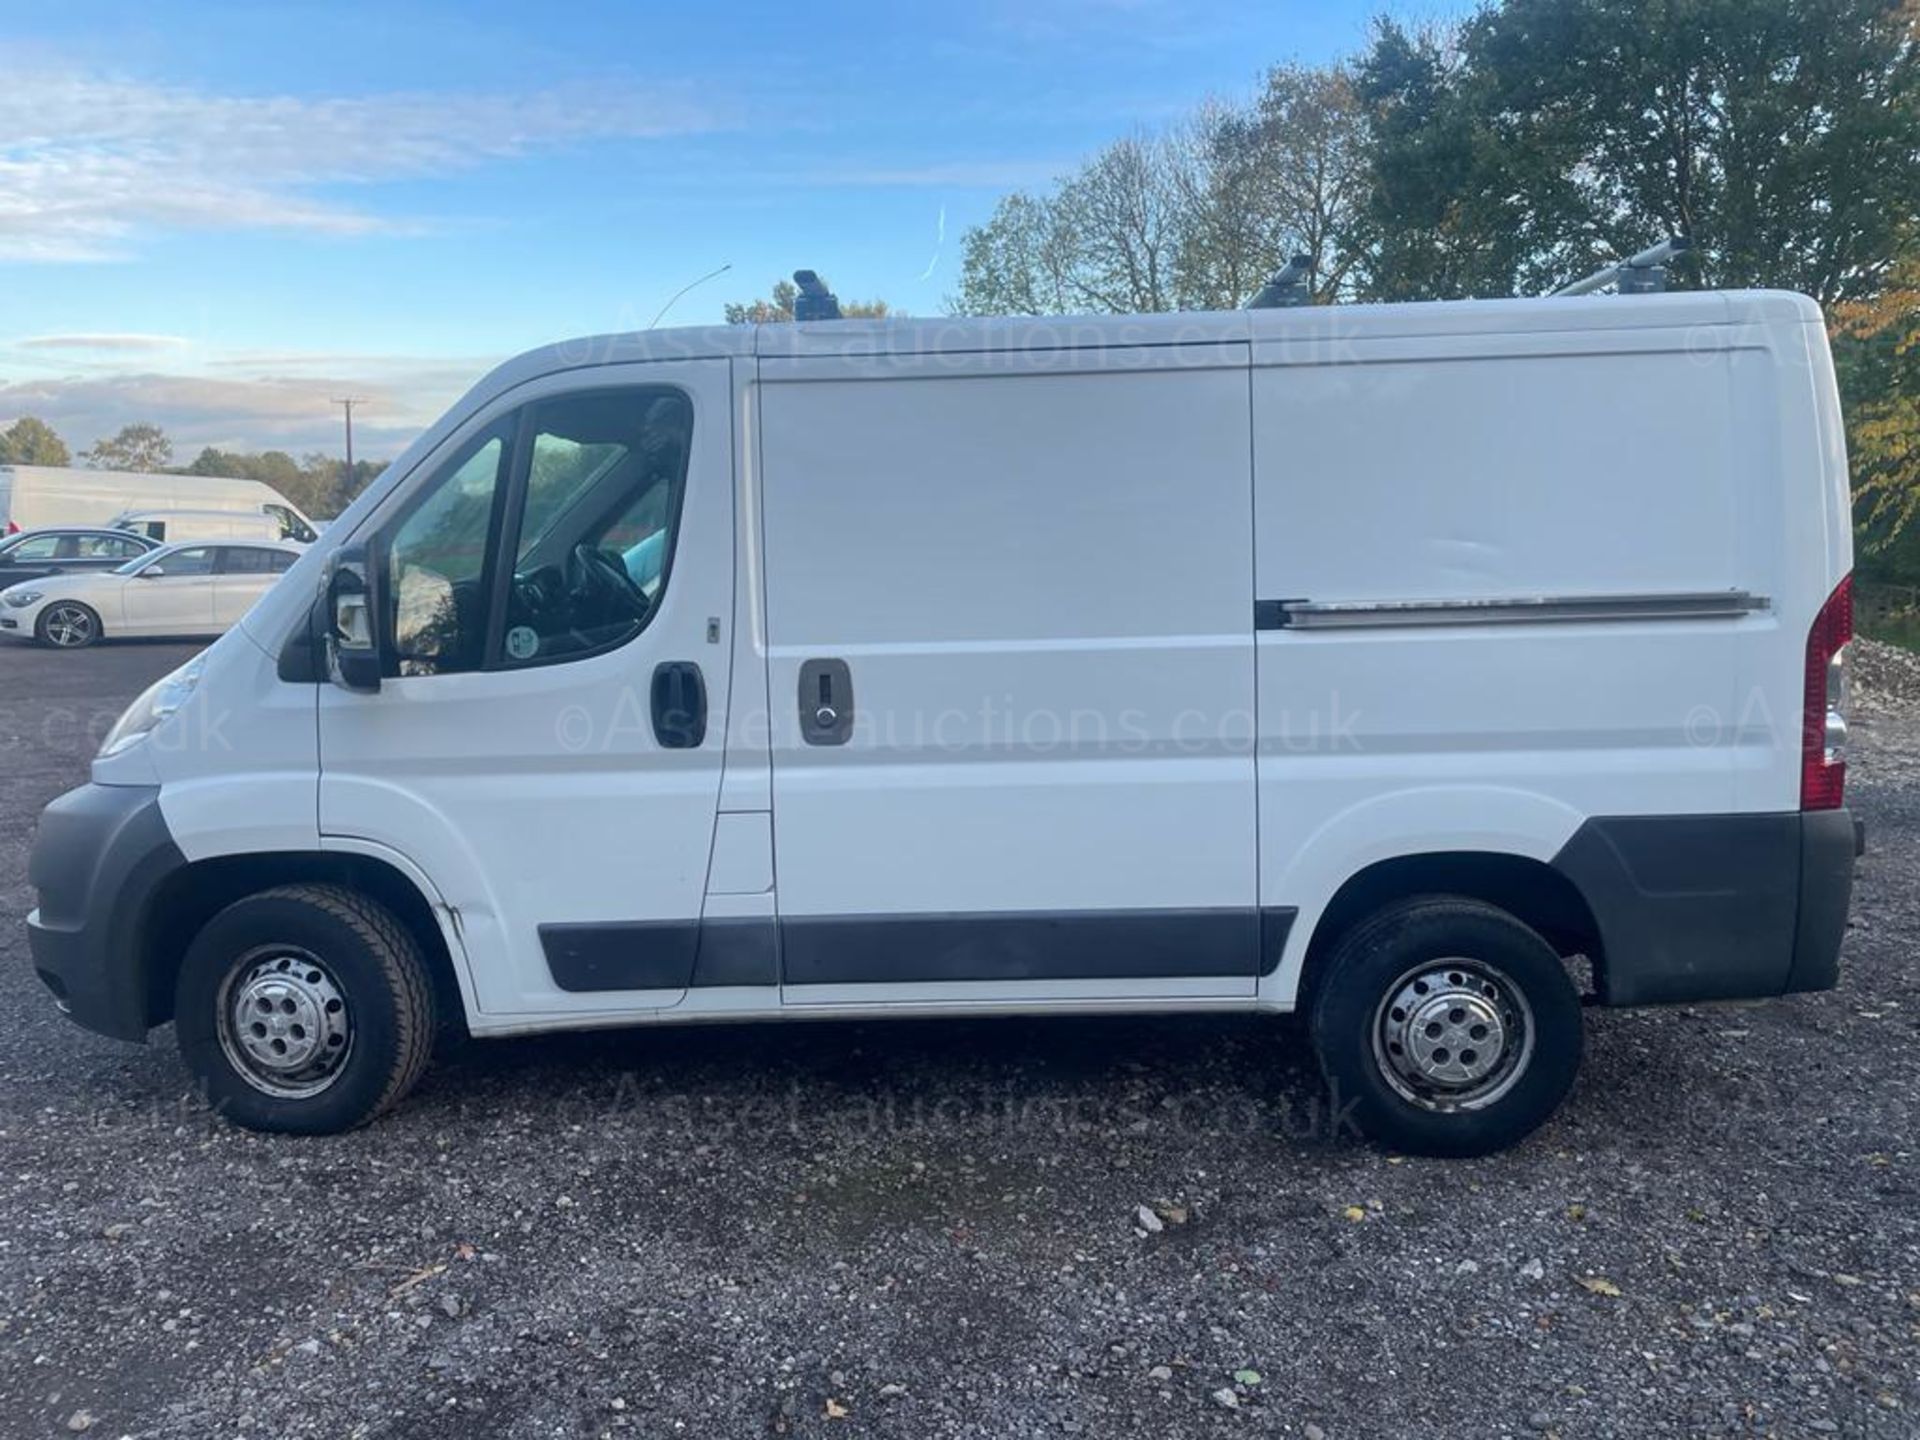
(815, 301)
(1286, 287)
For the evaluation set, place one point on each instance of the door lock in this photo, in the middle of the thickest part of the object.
(826, 702)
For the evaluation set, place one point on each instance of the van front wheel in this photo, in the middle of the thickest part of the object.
(305, 1009)
(1448, 1026)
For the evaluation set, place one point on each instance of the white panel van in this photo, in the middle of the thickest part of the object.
(1372, 663)
(36, 496)
(177, 525)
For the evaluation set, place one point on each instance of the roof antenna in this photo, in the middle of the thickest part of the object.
(815, 301)
(1642, 274)
(685, 288)
(1286, 287)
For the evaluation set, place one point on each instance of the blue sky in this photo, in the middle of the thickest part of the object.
(219, 215)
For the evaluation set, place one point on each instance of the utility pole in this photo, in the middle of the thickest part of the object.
(344, 493)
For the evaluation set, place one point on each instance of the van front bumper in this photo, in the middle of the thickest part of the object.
(100, 855)
(1715, 907)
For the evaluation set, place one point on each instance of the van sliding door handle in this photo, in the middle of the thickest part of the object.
(826, 702)
(679, 705)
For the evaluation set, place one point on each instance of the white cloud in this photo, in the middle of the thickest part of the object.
(123, 343)
(88, 163)
(283, 404)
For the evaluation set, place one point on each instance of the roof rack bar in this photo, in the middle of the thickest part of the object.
(1286, 287)
(1642, 274)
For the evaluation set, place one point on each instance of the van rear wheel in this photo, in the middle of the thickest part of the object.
(305, 1009)
(1451, 1027)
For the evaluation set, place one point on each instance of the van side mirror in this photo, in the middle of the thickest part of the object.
(353, 620)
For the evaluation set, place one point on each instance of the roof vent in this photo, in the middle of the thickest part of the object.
(815, 301)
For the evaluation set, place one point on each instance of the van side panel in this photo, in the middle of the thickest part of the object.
(1501, 468)
(1039, 588)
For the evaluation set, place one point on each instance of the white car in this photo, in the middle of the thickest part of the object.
(193, 588)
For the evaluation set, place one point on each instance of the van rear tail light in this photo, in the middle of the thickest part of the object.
(1823, 724)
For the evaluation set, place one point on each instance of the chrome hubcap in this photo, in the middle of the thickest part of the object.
(69, 625)
(1453, 1034)
(284, 1023)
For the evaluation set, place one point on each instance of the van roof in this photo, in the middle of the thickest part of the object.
(170, 510)
(956, 335)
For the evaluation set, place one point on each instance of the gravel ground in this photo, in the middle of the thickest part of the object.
(932, 1229)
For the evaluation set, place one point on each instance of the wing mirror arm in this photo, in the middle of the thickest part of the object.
(355, 646)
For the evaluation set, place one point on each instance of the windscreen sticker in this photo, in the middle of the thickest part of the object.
(523, 642)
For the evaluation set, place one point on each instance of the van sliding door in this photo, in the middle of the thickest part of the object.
(1011, 674)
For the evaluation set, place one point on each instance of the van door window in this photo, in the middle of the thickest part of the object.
(437, 562)
(594, 533)
(292, 527)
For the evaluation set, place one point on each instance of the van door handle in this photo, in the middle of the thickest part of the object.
(826, 702)
(679, 705)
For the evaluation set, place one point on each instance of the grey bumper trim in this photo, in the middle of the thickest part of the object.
(1714, 907)
(101, 853)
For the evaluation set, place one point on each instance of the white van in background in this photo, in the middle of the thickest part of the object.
(36, 496)
(171, 525)
(1367, 662)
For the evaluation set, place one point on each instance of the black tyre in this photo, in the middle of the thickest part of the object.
(1450, 1027)
(67, 625)
(306, 1009)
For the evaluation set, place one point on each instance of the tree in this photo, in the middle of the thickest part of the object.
(1193, 217)
(1877, 350)
(779, 309)
(1781, 136)
(324, 487)
(31, 441)
(1282, 179)
(1108, 239)
(317, 483)
(1437, 220)
(136, 447)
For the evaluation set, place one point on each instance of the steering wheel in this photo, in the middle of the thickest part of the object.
(539, 595)
(602, 591)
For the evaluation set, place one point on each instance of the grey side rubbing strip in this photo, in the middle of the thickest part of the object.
(1023, 945)
(903, 949)
(1524, 610)
(621, 955)
(738, 950)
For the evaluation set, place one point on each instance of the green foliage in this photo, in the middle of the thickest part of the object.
(31, 441)
(317, 484)
(1551, 136)
(1877, 351)
(137, 447)
(779, 308)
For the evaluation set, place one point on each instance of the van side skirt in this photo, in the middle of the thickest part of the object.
(901, 949)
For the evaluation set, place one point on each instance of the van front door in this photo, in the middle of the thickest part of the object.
(550, 563)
